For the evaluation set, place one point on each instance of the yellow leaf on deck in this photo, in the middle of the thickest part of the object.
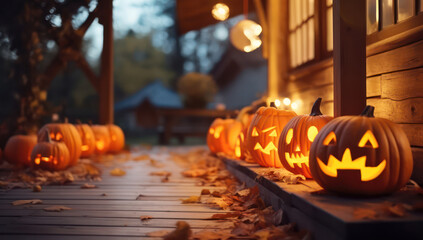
(87, 186)
(192, 199)
(145, 218)
(22, 202)
(161, 173)
(117, 172)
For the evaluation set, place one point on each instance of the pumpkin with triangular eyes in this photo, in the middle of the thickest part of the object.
(297, 137)
(361, 155)
(263, 135)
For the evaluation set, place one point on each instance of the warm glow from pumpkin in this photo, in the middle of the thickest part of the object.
(220, 11)
(368, 140)
(367, 173)
(311, 133)
(218, 131)
(39, 158)
(271, 146)
(84, 148)
(254, 133)
(289, 136)
(330, 139)
(297, 158)
(113, 138)
(100, 145)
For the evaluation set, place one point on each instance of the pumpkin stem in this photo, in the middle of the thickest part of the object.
(272, 104)
(78, 121)
(368, 111)
(66, 120)
(315, 110)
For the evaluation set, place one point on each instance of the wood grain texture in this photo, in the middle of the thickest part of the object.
(402, 85)
(406, 57)
(373, 88)
(414, 133)
(406, 111)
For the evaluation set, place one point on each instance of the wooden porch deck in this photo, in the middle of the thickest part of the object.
(113, 209)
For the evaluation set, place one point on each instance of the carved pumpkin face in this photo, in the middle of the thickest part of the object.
(361, 155)
(102, 138)
(297, 137)
(63, 132)
(263, 135)
(222, 135)
(50, 155)
(241, 151)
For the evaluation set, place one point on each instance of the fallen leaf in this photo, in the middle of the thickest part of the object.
(23, 202)
(242, 229)
(104, 194)
(161, 173)
(156, 163)
(191, 199)
(182, 232)
(243, 193)
(145, 218)
(139, 197)
(87, 186)
(195, 173)
(56, 208)
(141, 158)
(205, 192)
(165, 179)
(229, 215)
(117, 172)
(364, 213)
(396, 210)
(36, 188)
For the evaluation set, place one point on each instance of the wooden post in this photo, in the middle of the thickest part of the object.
(106, 75)
(277, 49)
(349, 56)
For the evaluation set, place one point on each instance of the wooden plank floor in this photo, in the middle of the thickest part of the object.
(113, 209)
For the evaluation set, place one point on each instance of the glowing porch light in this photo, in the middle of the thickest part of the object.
(286, 101)
(245, 35)
(277, 103)
(220, 11)
(294, 106)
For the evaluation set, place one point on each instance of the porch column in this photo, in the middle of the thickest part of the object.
(349, 56)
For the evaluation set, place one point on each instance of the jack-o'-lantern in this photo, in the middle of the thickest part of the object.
(87, 139)
(297, 137)
(361, 155)
(222, 135)
(263, 135)
(117, 138)
(63, 132)
(241, 150)
(102, 138)
(18, 149)
(50, 155)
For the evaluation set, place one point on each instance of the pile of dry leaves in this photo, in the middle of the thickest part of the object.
(250, 217)
(27, 178)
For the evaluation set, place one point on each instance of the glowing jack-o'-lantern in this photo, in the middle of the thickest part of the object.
(297, 137)
(361, 155)
(50, 155)
(87, 139)
(263, 135)
(18, 149)
(117, 138)
(222, 135)
(63, 132)
(245, 116)
(102, 138)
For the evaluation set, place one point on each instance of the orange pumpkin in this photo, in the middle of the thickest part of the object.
(63, 132)
(297, 137)
(222, 135)
(361, 155)
(117, 138)
(50, 155)
(263, 135)
(87, 139)
(102, 138)
(18, 149)
(241, 151)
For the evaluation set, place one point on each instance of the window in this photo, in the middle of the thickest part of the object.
(310, 30)
(384, 13)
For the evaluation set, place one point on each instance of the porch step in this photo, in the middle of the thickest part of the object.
(329, 216)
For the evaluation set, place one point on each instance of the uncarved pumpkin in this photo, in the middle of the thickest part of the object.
(63, 132)
(50, 155)
(361, 155)
(87, 139)
(18, 149)
(102, 138)
(296, 139)
(263, 135)
(117, 138)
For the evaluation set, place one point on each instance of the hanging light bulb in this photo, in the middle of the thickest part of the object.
(220, 11)
(245, 35)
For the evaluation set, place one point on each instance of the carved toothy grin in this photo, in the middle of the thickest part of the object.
(270, 146)
(367, 173)
(296, 158)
